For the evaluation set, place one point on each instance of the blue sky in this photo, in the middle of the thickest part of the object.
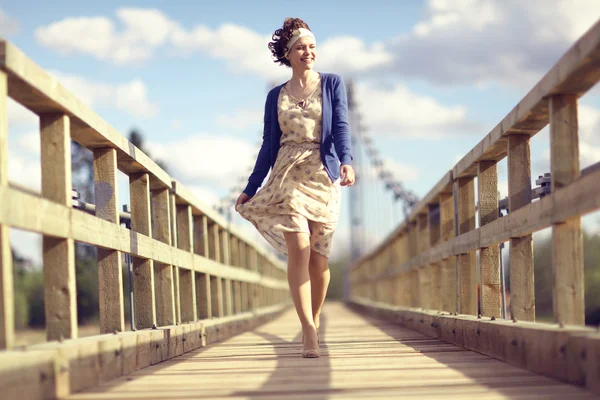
(432, 77)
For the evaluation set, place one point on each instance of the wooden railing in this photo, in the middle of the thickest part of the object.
(424, 273)
(195, 278)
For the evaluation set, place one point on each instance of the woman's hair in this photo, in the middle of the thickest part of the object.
(281, 37)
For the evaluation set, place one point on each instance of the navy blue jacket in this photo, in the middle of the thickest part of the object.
(335, 137)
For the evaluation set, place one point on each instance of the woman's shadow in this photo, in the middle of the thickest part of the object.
(294, 375)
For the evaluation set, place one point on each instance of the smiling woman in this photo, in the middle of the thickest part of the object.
(306, 143)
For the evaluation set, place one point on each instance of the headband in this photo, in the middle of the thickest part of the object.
(297, 34)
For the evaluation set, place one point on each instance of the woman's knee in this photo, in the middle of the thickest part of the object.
(297, 243)
(318, 262)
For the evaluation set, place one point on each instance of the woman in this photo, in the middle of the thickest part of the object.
(305, 139)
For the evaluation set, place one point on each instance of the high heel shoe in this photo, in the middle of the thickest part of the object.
(312, 353)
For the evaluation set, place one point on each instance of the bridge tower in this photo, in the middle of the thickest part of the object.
(355, 196)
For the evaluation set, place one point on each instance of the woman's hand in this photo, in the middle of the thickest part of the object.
(347, 174)
(242, 199)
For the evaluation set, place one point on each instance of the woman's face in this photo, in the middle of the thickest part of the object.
(303, 53)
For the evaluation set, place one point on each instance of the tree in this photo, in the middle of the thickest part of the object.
(137, 139)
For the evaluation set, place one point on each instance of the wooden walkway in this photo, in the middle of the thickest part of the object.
(362, 357)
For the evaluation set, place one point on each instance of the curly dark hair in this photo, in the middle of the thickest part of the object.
(281, 37)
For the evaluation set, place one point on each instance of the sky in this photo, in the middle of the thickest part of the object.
(432, 78)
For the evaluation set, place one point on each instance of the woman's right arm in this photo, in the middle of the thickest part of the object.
(263, 160)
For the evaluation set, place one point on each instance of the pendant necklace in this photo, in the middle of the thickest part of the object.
(302, 103)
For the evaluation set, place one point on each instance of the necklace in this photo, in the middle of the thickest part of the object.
(302, 100)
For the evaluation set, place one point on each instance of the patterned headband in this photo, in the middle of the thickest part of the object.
(297, 34)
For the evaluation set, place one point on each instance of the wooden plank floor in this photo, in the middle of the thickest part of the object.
(362, 358)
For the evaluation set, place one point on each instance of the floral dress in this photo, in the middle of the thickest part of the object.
(299, 195)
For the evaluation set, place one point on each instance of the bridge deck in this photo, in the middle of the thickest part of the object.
(362, 358)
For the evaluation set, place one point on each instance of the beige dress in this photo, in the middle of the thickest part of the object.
(299, 195)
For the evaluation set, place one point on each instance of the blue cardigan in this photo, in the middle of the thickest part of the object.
(335, 136)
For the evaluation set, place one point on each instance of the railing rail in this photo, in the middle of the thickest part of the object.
(189, 263)
(429, 262)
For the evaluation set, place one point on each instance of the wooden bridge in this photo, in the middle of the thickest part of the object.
(415, 323)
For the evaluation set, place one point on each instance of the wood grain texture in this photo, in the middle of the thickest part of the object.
(567, 236)
(203, 296)
(467, 283)
(60, 295)
(41, 93)
(201, 235)
(143, 269)
(489, 257)
(56, 369)
(236, 292)
(380, 359)
(546, 349)
(522, 303)
(110, 278)
(187, 284)
(217, 301)
(48, 218)
(228, 296)
(163, 273)
(7, 307)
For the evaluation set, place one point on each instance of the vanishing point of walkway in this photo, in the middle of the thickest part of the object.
(362, 358)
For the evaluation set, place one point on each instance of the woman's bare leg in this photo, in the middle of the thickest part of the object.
(300, 287)
(319, 282)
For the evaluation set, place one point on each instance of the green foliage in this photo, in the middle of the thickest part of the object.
(86, 278)
(336, 286)
(544, 278)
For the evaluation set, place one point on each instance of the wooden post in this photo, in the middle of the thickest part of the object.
(424, 272)
(242, 248)
(110, 279)
(237, 297)
(204, 294)
(489, 258)
(467, 303)
(187, 281)
(7, 305)
(201, 235)
(174, 243)
(567, 236)
(435, 269)
(522, 289)
(163, 273)
(244, 296)
(59, 254)
(143, 269)
(216, 286)
(234, 250)
(413, 251)
(226, 259)
(449, 292)
(203, 291)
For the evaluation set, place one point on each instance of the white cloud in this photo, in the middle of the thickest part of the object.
(240, 120)
(142, 31)
(24, 171)
(131, 97)
(207, 195)
(29, 142)
(246, 50)
(478, 41)
(401, 171)
(19, 117)
(8, 25)
(243, 49)
(407, 114)
(207, 160)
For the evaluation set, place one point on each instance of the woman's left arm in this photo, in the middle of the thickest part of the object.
(340, 129)
(341, 132)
